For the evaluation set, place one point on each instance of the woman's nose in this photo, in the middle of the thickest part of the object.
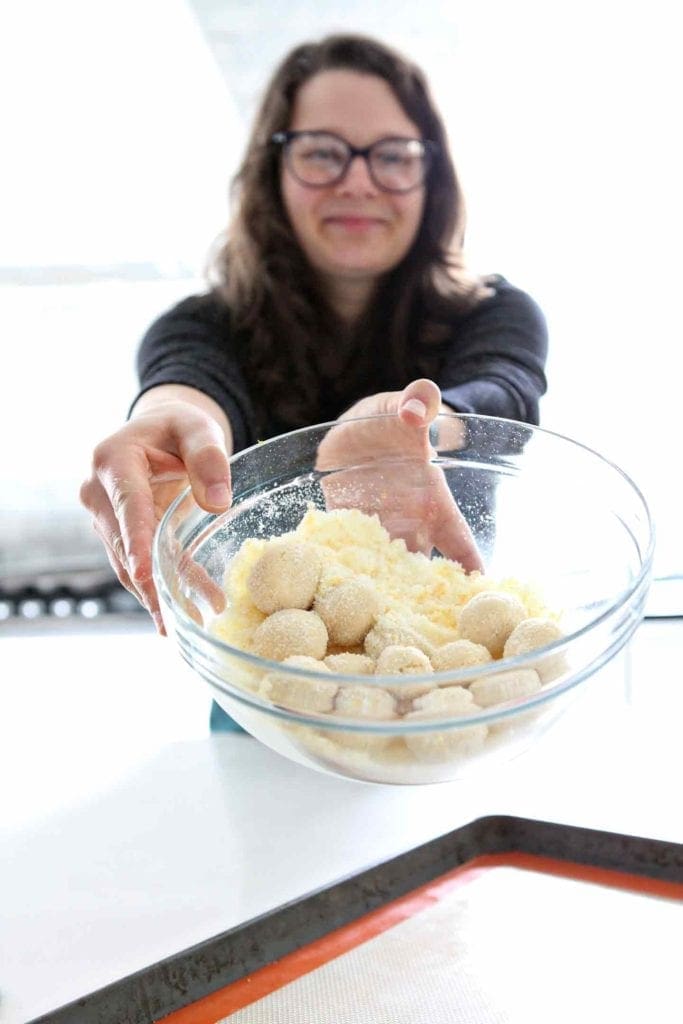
(357, 179)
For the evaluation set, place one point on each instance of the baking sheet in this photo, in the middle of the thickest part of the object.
(510, 905)
(502, 945)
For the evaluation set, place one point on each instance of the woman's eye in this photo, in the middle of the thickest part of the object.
(323, 155)
(395, 159)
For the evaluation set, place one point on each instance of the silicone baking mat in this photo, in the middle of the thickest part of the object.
(503, 921)
(506, 940)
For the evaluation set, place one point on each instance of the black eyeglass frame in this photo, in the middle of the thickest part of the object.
(430, 150)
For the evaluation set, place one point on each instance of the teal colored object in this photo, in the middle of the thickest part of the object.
(222, 722)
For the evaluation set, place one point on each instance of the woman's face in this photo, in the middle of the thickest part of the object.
(352, 230)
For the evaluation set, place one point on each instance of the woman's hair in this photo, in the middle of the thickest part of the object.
(273, 294)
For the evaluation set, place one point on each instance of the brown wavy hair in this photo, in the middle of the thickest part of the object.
(297, 354)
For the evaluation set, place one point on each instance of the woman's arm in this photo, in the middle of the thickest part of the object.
(495, 364)
(176, 436)
(166, 395)
(193, 345)
(192, 412)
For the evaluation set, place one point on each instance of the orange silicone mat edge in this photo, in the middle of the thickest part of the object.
(271, 977)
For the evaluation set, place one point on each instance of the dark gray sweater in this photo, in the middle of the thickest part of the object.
(493, 362)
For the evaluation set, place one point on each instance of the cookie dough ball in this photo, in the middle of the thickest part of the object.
(460, 654)
(398, 660)
(290, 631)
(300, 694)
(444, 701)
(365, 702)
(445, 744)
(371, 702)
(390, 632)
(307, 663)
(285, 576)
(348, 664)
(349, 611)
(489, 618)
(504, 686)
(531, 634)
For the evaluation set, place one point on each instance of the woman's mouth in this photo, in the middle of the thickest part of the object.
(353, 222)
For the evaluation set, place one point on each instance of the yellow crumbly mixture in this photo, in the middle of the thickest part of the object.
(426, 594)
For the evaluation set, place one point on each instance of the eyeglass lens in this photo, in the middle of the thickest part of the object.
(319, 159)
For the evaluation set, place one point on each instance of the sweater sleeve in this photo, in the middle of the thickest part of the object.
(192, 344)
(495, 363)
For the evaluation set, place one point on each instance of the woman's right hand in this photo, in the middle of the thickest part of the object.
(141, 468)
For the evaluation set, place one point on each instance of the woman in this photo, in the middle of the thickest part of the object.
(339, 291)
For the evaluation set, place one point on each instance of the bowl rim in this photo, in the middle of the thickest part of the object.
(460, 677)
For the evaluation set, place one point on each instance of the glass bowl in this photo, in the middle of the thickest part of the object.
(555, 525)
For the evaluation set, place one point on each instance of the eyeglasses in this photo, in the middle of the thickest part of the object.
(318, 159)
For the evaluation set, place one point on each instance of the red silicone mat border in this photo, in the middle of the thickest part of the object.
(302, 961)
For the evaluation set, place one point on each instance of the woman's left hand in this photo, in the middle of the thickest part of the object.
(413, 502)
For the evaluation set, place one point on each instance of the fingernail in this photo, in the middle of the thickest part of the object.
(218, 494)
(414, 405)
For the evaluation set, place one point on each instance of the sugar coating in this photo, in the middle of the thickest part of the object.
(504, 686)
(531, 634)
(349, 610)
(391, 631)
(350, 664)
(460, 654)
(285, 576)
(489, 618)
(290, 631)
(297, 693)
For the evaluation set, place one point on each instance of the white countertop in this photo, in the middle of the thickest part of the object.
(130, 833)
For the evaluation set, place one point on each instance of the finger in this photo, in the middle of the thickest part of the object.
(104, 523)
(420, 402)
(117, 565)
(124, 477)
(116, 555)
(159, 623)
(107, 529)
(454, 539)
(201, 446)
(197, 578)
(125, 581)
(413, 530)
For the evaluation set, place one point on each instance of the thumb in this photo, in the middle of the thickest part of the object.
(420, 402)
(202, 448)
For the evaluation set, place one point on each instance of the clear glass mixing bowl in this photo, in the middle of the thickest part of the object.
(544, 510)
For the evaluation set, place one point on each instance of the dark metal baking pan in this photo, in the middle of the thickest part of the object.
(192, 974)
